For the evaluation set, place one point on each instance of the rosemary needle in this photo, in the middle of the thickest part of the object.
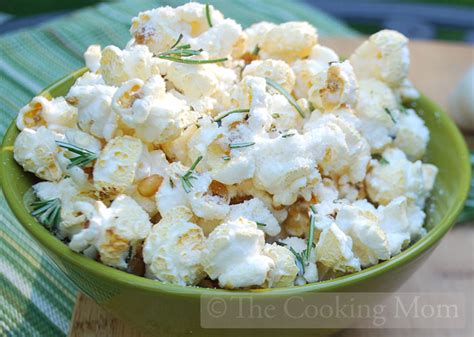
(208, 15)
(241, 145)
(219, 118)
(189, 175)
(287, 95)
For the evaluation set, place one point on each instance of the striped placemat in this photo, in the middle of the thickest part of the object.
(35, 298)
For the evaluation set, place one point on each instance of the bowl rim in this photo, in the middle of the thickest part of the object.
(53, 245)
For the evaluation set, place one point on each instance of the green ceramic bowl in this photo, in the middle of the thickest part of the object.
(172, 310)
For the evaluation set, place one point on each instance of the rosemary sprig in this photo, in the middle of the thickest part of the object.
(189, 175)
(240, 145)
(300, 260)
(387, 110)
(380, 159)
(256, 50)
(83, 157)
(208, 15)
(180, 53)
(287, 95)
(219, 118)
(47, 212)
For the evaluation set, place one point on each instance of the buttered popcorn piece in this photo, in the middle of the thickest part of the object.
(334, 87)
(233, 255)
(384, 56)
(394, 222)
(36, 151)
(92, 57)
(334, 250)
(116, 164)
(278, 71)
(173, 249)
(396, 176)
(112, 231)
(55, 114)
(285, 270)
(289, 41)
(118, 66)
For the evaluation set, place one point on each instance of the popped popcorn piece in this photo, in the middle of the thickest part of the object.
(173, 250)
(334, 250)
(308, 273)
(69, 193)
(412, 134)
(199, 196)
(159, 28)
(361, 223)
(395, 224)
(306, 74)
(407, 92)
(233, 254)
(55, 114)
(154, 115)
(324, 55)
(256, 34)
(112, 231)
(92, 57)
(285, 169)
(378, 112)
(333, 87)
(284, 271)
(114, 170)
(396, 176)
(93, 102)
(255, 210)
(289, 41)
(278, 71)
(384, 56)
(118, 66)
(36, 151)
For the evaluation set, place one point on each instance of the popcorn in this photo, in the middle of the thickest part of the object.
(115, 167)
(55, 114)
(69, 194)
(92, 57)
(361, 223)
(412, 134)
(112, 231)
(289, 41)
(384, 56)
(248, 137)
(396, 176)
(225, 260)
(284, 271)
(36, 151)
(334, 87)
(307, 273)
(118, 66)
(173, 250)
(278, 71)
(334, 250)
(378, 111)
(256, 34)
(154, 116)
(255, 210)
(92, 100)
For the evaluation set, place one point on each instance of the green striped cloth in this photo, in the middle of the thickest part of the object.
(35, 298)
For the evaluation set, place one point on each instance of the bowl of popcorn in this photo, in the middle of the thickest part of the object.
(204, 158)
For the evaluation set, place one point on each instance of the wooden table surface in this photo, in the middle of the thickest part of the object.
(436, 68)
